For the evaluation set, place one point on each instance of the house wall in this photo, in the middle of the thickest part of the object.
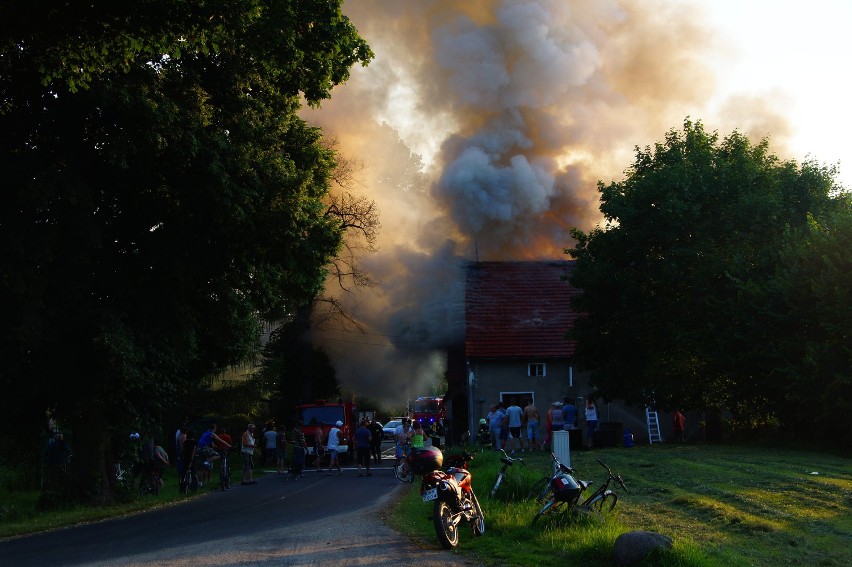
(500, 379)
(496, 378)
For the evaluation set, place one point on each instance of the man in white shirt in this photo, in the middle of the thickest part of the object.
(334, 437)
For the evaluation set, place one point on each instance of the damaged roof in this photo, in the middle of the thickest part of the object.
(518, 309)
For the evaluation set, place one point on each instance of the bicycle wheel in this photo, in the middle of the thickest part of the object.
(539, 490)
(497, 483)
(478, 522)
(604, 503)
(550, 507)
(149, 484)
(224, 474)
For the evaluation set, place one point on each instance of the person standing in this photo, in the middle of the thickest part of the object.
(188, 448)
(495, 420)
(531, 417)
(402, 437)
(270, 440)
(335, 436)
(514, 414)
(418, 436)
(363, 442)
(678, 423)
(180, 437)
(591, 420)
(319, 446)
(281, 448)
(376, 433)
(247, 452)
(297, 439)
(555, 422)
(569, 413)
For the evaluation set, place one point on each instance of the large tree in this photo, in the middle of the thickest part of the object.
(813, 325)
(677, 282)
(160, 197)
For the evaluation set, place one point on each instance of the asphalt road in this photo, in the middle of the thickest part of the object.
(312, 521)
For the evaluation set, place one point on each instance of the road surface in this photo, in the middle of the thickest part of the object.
(318, 520)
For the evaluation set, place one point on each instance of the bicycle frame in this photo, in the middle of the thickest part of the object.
(601, 500)
(501, 476)
(603, 493)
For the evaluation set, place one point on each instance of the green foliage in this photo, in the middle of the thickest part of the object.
(161, 198)
(678, 284)
(294, 370)
(816, 321)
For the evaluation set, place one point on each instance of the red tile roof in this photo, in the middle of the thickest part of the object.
(518, 309)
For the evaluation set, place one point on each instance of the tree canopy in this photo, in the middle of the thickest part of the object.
(160, 196)
(691, 286)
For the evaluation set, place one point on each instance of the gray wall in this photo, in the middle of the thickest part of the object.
(497, 377)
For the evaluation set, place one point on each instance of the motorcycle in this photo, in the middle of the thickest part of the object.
(453, 497)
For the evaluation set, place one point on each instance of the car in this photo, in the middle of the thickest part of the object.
(389, 429)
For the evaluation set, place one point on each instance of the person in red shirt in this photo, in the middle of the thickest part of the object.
(678, 422)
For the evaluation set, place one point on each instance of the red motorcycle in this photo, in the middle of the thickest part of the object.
(450, 490)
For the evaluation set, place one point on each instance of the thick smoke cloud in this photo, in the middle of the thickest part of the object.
(517, 108)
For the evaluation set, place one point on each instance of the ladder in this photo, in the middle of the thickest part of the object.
(653, 426)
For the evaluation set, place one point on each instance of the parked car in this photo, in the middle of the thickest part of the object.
(390, 428)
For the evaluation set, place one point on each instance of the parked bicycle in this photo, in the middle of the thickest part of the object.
(141, 477)
(561, 492)
(501, 475)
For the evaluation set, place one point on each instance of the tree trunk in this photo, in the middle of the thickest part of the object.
(92, 466)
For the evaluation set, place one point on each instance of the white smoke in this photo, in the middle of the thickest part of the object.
(518, 108)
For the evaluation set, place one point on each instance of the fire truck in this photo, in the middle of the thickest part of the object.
(324, 415)
(429, 410)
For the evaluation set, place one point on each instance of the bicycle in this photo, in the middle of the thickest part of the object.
(562, 492)
(189, 480)
(149, 479)
(224, 470)
(541, 488)
(402, 470)
(501, 475)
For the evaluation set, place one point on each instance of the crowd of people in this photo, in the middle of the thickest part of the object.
(274, 446)
(516, 428)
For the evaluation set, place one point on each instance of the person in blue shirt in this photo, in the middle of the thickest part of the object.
(569, 414)
(208, 452)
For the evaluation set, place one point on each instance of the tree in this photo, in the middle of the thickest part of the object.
(814, 323)
(161, 198)
(676, 283)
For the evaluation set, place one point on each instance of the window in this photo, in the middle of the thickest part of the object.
(536, 369)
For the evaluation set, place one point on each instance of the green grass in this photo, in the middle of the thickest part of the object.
(722, 505)
(18, 513)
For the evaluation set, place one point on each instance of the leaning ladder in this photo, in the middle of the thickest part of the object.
(653, 426)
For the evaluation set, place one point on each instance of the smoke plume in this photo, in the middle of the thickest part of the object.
(484, 127)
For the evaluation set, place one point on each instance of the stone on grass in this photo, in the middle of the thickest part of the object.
(632, 547)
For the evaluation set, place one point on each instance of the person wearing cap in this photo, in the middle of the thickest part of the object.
(555, 421)
(335, 436)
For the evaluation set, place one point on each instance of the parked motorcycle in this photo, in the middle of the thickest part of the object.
(452, 494)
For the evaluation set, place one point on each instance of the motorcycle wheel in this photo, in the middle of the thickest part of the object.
(445, 528)
(478, 522)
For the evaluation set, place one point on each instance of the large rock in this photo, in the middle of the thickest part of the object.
(632, 547)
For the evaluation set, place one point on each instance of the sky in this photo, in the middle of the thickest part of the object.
(482, 129)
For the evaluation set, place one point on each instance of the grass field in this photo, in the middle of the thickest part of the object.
(722, 505)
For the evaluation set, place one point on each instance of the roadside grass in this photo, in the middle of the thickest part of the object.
(722, 505)
(19, 514)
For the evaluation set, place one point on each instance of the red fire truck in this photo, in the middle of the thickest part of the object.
(324, 415)
(428, 410)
